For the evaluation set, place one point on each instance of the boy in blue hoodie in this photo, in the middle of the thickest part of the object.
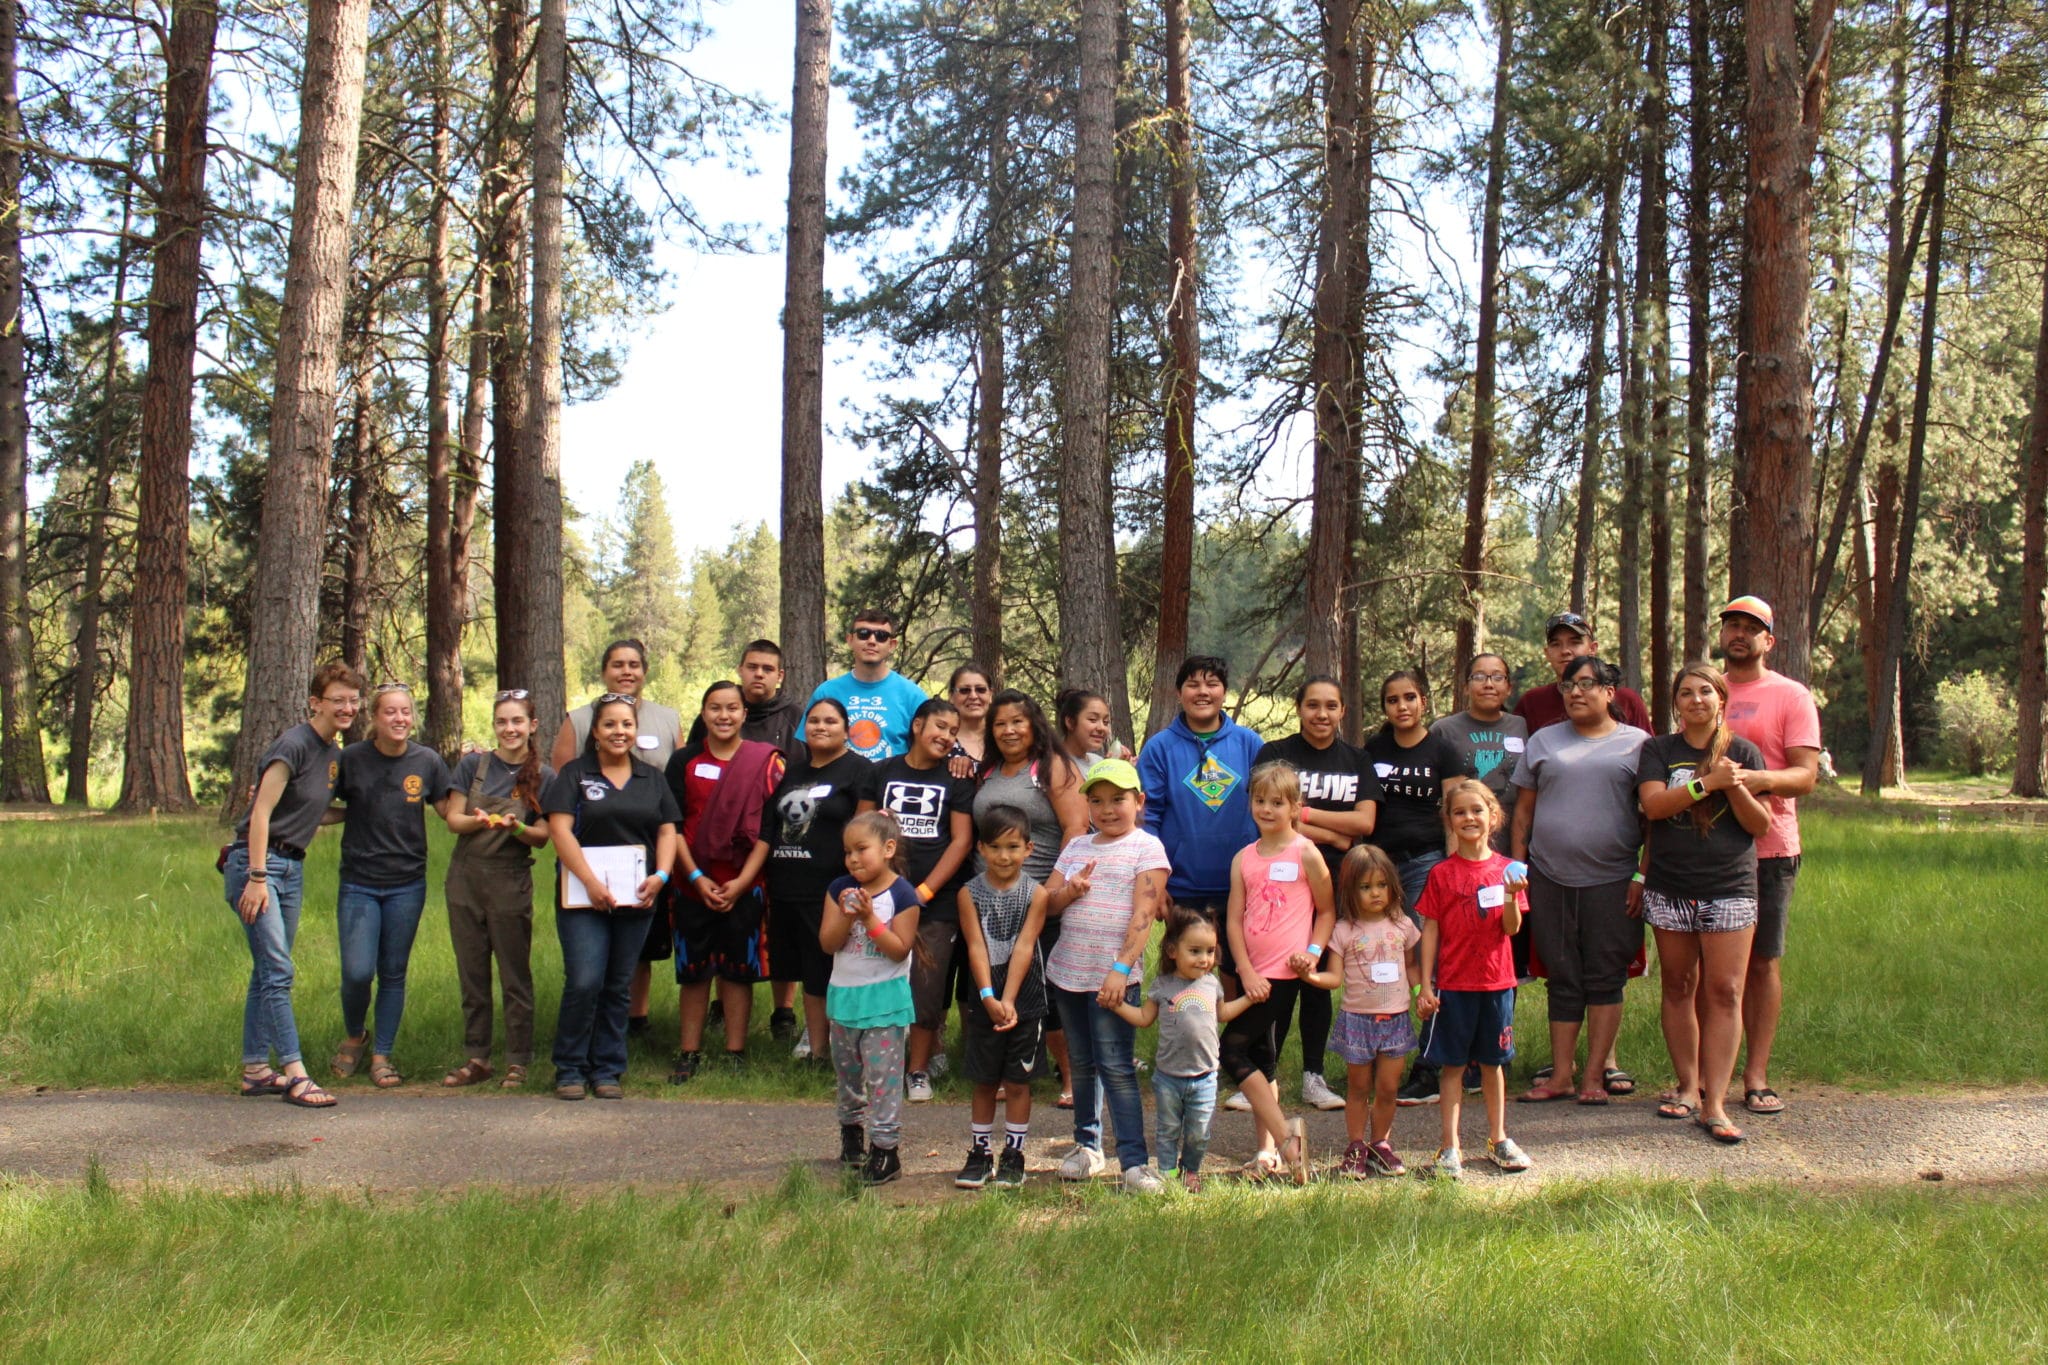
(1197, 799)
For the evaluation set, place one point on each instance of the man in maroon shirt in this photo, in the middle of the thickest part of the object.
(1566, 636)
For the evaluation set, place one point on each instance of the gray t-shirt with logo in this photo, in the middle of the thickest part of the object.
(1588, 828)
(311, 766)
(1189, 1033)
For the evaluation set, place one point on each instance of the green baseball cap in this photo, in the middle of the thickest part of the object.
(1114, 771)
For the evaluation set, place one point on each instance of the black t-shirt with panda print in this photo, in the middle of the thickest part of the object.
(804, 823)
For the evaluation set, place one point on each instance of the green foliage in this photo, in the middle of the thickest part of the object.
(1977, 723)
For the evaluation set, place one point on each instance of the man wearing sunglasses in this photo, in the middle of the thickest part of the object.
(879, 701)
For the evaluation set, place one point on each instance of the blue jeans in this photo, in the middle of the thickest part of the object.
(600, 952)
(1100, 1046)
(377, 926)
(267, 1023)
(1186, 1106)
(1414, 876)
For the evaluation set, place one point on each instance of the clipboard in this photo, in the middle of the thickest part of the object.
(620, 867)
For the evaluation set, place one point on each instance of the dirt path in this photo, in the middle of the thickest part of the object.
(426, 1140)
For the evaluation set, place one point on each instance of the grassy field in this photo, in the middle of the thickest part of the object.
(1594, 1272)
(1912, 950)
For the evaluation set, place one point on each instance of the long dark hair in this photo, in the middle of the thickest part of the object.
(598, 708)
(1717, 747)
(1606, 674)
(1044, 753)
(1068, 704)
(526, 781)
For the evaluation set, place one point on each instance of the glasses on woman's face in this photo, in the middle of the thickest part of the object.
(1581, 685)
(511, 694)
(971, 690)
(1488, 678)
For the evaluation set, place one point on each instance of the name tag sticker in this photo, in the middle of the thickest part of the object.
(648, 741)
(1386, 973)
(1491, 897)
(1284, 872)
(821, 791)
(710, 772)
(1514, 744)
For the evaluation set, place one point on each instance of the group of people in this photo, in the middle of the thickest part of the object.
(881, 853)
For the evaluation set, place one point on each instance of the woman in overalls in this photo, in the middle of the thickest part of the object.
(495, 813)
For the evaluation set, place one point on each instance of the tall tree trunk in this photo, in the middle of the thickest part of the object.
(505, 184)
(22, 775)
(443, 729)
(803, 365)
(535, 537)
(1774, 410)
(1899, 614)
(1091, 653)
(1333, 365)
(153, 775)
(1357, 291)
(1699, 326)
(358, 534)
(2030, 763)
(992, 360)
(1479, 474)
(469, 455)
(1183, 331)
(1596, 381)
(1877, 536)
(1654, 225)
(1631, 332)
(85, 686)
(284, 614)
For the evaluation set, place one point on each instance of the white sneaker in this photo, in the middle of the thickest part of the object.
(919, 1089)
(1316, 1092)
(1083, 1163)
(802, 1050)
(1142, 1180)
(1238, 1103)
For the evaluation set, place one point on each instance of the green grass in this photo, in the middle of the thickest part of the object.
(1610, 1271)
(1916, 957)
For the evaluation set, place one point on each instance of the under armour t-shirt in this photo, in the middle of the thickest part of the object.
(924, 802)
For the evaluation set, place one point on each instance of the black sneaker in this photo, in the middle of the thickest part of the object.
(980, 1165)
(853, 1144)
(684, 1067)
(735, 1062)
(782, 1025)
(1010, 1169)
(1472, 1084)
(883, 1166)
(1421, 1087)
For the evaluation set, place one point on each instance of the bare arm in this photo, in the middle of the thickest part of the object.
(1525, 820)
(1797, 778)
(1069, 807)
(1147, 896)
(949, 862)
(255, 897)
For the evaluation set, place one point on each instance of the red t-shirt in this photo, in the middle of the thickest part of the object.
(1541, 706)
(1472, 952)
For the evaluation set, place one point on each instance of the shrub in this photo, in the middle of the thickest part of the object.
(1976, 723)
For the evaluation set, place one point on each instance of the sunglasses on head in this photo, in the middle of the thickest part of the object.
(881, 633)
(381, 688)
(608, 698)
(511, 694)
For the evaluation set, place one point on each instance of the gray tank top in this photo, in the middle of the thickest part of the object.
(1023, 793)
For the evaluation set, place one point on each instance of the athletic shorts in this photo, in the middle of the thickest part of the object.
(794, 953)
(726, 944)
(1676, 915)
(1775, 878)
(1361, 1039)
(931, 969)
(992, 1058)
(1472, 1026)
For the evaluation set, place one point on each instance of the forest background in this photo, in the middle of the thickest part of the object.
(1335, 336)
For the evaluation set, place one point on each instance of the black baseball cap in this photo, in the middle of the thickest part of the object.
(1577, 622)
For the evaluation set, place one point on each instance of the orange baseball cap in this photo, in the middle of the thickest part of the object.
(1751, 606)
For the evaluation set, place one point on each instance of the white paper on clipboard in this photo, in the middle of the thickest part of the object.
(621, 867)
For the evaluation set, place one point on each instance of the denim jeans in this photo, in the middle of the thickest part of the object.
(1414, 876)
(377, 926)
(1186, 1106)
(1100, 1046)
(600, 952)
(267, 1023)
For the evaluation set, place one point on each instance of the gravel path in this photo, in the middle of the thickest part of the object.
(423, 1139)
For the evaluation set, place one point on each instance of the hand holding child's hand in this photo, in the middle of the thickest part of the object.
(1301, 964)
(1426, 1006)
(1256, 987)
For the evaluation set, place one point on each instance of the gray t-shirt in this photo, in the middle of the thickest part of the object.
(384, 842)
(312, 765)
(1021, 790)
(656, 722)
(1491, 748)
(1588, 829)
(1188, 1030)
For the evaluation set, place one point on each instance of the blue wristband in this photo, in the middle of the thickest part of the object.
(1315, 950)
(695, 873)
(663, 876)
(1120, 968)
(988, 992)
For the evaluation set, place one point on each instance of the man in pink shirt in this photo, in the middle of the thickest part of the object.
(1777, 715)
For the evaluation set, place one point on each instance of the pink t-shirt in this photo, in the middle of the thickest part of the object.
(1775, 714)
(1375, 958)
(1279, 909)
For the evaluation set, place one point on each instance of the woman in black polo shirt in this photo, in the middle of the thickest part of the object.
(265, 871)
(605, 798)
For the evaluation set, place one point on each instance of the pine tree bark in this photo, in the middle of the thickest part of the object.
(1091, 653)
(505, 185)
(284, 618)
(1774, 408)
(1631, 331)
(1357, 291)
(469, 453)
(444, 608)
(22, 775)
(992, 380)
(534, 538)
(2030, 764)
(1596, 381)
(803, 369)
(1699, 322)
(1479, 473)
(1183, 331)
(153, 773)
(1899, 612)
(1654, 215)
(1877, 545)
(358, 532)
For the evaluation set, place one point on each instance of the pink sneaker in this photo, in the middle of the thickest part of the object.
(1384, 1160)
(1355, 1164)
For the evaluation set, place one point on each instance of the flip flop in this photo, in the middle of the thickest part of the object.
(1676, 1108)
(1721, 1130)
(1617, 1081)
(1592, 1098)
(1542, 1094)
(1764, 1101)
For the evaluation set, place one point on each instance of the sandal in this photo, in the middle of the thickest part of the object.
(1617, 1081)
(349, 1056)
(1065, 1101)
(1543, 1093)
(1296, 1147)
(515, 1078)
(263, 1086)
(1264, 1165)
(1721, 1130)
(1592, 1098)
(469, 1073)
(384, 1075)
(305, 1092)
(1764, 1101)
(1672, 1107)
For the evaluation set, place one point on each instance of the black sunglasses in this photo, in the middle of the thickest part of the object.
(873, 633)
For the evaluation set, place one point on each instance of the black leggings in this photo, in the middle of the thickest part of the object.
(1316, 1017)
(1250, 1042)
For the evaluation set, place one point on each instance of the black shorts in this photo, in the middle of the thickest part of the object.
(660, 943)
(1471, 1027)
(1775, 878)
(726, 944)
(931, 969)
(794, 953)
(992, 1058)
(1217, 913)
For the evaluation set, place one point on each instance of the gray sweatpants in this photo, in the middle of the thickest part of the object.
(870, 1066)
